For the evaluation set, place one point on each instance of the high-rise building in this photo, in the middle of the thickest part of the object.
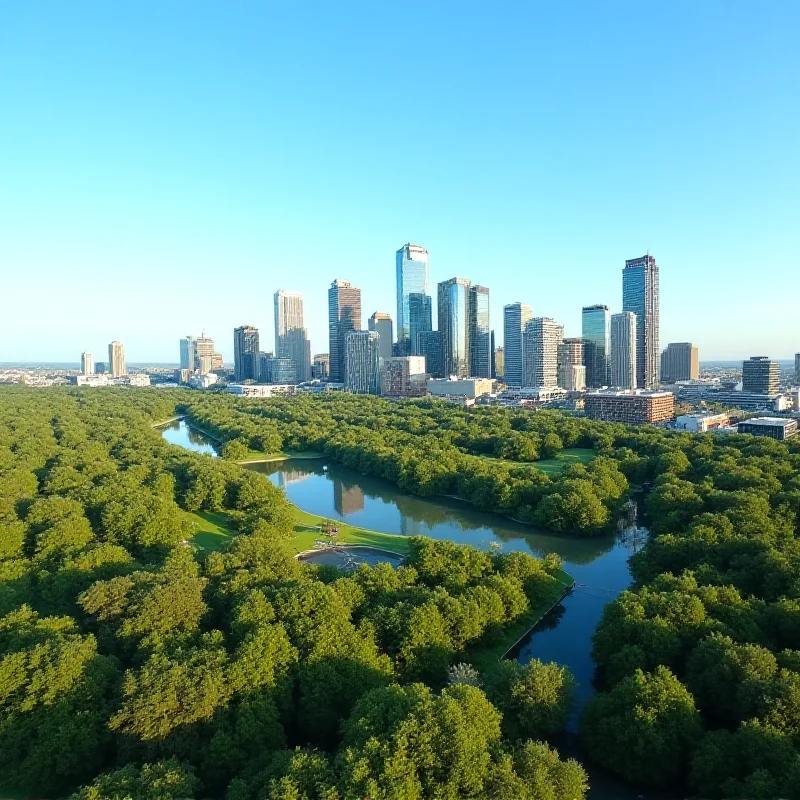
(540, 352)
(453, 303)
(499, 362)
(116, 360)
(760, 375)
(623, 350)
(87, 363)
(404, 376)
(515, 317)
(596, 332)
(797, 366)
(321, 366)
(429, 345)
(188, 352)
(344, 315)
(412, 278)
(480, 333)
(493, 351)
(419, 316)
(362, 362)
(291, 337)
(245, 353)
(204, 361)
(640, 295)
(216, 362)
(570, 358)
(382, 324)
(680, 361)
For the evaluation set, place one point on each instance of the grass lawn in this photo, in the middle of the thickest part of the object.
(483, 658)
(211, 529)
(552, 466)
(256, 457)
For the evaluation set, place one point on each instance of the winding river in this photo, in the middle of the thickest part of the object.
(599, 565)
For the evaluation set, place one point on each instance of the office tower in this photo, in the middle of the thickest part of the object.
(216, 362)
(277, 370)
(797, 366)
(540, 352)
(291, 337)
(412, 277)
(493, 351)
(382, 324)
(596, 332)
(623, 350)
(419, 317)
(429, 345)
(760, 375)
(204, 355)
(363, 362)
(453, 303)
(188, 352)
(640, 295)
(680, 361)
(570, 357)
(87, 363)
(344, 315)
(245, 353)
(515, 317)
(480, 333)
(499, 362)
(404, 376)
(99, 368)
(321, 366)
(116, 360)
(265, 367)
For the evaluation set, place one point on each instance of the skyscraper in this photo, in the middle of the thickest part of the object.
(344, 315)
(87, 363)
(761, 375)
(797, 366)
(480, 333)
(596, 332)
(571, 370)
(515, 317)
(291, 337)
(382, 324)
(188, 352)
(540, 352)
(412, 277)
(245, 353)
(453, 297)
(640, 295)
(419, 316)
(116, 360)
(429, 345)
(680, 361)
(362, 359)
(205, 360)
(623, 350)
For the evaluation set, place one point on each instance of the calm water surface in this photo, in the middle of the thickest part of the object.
(599, 565)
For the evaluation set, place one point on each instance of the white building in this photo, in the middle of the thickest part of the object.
(262, 389)
(404, 376)
(203, 381)
(700, 423)
(460, 387)
(540, 352)
(92, 381)
(116, 360)
(87, 363)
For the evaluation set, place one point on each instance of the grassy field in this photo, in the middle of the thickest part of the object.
(211, 529)
(552, 466)
(255, 457)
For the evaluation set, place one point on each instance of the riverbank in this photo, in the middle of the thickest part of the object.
(284, 455)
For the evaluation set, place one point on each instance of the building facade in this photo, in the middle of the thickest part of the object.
(460, 387)
(404, 376)
(87, 363)
(205, 358)
(188, 352)
(680, 361)
(453, 306)
(382, 324)
(778, 428)
(411, 262)
(344, 316)
(515, 317)
(760, 375)
(570, 356)
(641, 296)
(291, 336)
(499, 363)
(116, 360)
(420, 317)
(429, 346)
(623, 350)
(632, 408)
(362, 362)
(245, 353)
(480, 333)
(321, 366)
(540, 352)
(596, 333)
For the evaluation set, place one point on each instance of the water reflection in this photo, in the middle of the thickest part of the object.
(179, 433)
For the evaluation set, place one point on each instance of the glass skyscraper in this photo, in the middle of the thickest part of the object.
(291, 337)
(419, 315)
(623, 350)
(246, 365)
(596, 333)
(382, 323)
(362, 357)
(453, 305)
(188, 352)
(412, 278)
(640, 295)
(515, 317)
(480, 333)
(344, 315)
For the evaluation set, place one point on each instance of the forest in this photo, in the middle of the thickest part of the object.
(132, 665)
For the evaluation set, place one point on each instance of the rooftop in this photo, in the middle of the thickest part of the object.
(772, 421)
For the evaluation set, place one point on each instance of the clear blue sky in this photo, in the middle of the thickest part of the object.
(166, 166)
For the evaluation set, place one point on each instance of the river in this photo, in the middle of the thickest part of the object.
(598, 564)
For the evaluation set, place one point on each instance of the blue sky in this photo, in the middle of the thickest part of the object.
(166, 166)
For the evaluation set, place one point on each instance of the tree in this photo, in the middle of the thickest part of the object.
(164, 780)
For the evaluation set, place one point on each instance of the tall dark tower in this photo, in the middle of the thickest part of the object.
(344, 315)
(640, 295)
(245, 353)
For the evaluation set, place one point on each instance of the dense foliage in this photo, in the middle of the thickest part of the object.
(134, 666)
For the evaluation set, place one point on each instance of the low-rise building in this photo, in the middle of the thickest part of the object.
(404, 376)
(633, 408)
(779, 428)
(90, 380)
(262, 389)
(700, 423)
(460, 387)
(748, 401)
(203, 381)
